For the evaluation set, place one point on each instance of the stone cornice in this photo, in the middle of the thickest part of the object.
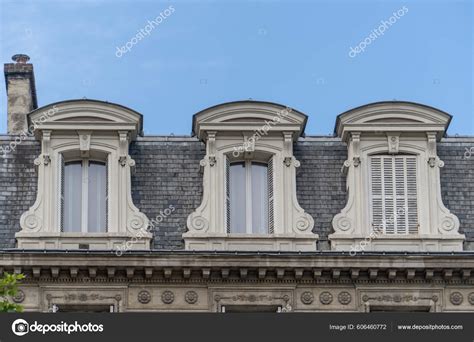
(200, 266)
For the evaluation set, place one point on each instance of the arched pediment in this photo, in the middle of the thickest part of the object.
(248, 115)
(86, 114)
(393, 116)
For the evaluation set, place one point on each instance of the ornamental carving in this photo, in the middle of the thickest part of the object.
(19, 297)
(325, 298)
(456, 298)
(470, 298)
(344, 298)
(191, 297)
(167, 297)
(398, 298)
(307, 297)
(144, 297)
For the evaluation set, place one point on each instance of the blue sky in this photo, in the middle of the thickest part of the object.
(204, 53)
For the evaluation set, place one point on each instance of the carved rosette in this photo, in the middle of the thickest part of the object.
(191, 297)
(19, 297)
(144, 297)
(470, 298)
(325, 298)
(307, 297)
(344, 298)
(167, 297)
(456, 298)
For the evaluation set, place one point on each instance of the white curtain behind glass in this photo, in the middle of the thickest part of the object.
(97, 200)
(248, 185)
(237, 198)
(72, 197)
(259, 199)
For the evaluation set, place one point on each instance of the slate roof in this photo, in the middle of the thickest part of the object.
(167, 173)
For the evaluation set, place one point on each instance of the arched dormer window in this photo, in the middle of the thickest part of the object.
(249, 198)
(84, 187)
(393, 181)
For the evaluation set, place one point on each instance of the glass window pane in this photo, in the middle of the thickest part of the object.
(97, 201)
(259, 199)
(72, 193)
(237, 198)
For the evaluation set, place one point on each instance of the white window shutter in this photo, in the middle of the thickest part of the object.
(61, 191)
(227, 193)
(394, 194)
(271, 224)
(377, 195)
(412, 203)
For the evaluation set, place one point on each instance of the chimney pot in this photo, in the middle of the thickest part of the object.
(21, 58)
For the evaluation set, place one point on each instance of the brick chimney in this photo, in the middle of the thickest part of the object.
(21, 93)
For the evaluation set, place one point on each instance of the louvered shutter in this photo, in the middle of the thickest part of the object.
(61, 192)
(377, 195)
(227, 194)
(394, 194)
(412, 203)
(271, 225)
(107, 196)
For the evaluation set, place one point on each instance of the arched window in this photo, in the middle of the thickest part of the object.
(84, 196)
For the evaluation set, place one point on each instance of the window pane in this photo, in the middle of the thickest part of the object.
(237, 198)
(72, 193)
(97, 203)
(259, 199)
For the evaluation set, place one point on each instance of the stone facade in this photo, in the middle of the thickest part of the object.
(217, 282)
(167, 172)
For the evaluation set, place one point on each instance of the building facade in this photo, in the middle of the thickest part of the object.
(248, 214)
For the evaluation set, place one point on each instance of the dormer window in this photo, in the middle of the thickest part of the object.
(84, 187)
(249, 177)
(84, 196)
(393, 181)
